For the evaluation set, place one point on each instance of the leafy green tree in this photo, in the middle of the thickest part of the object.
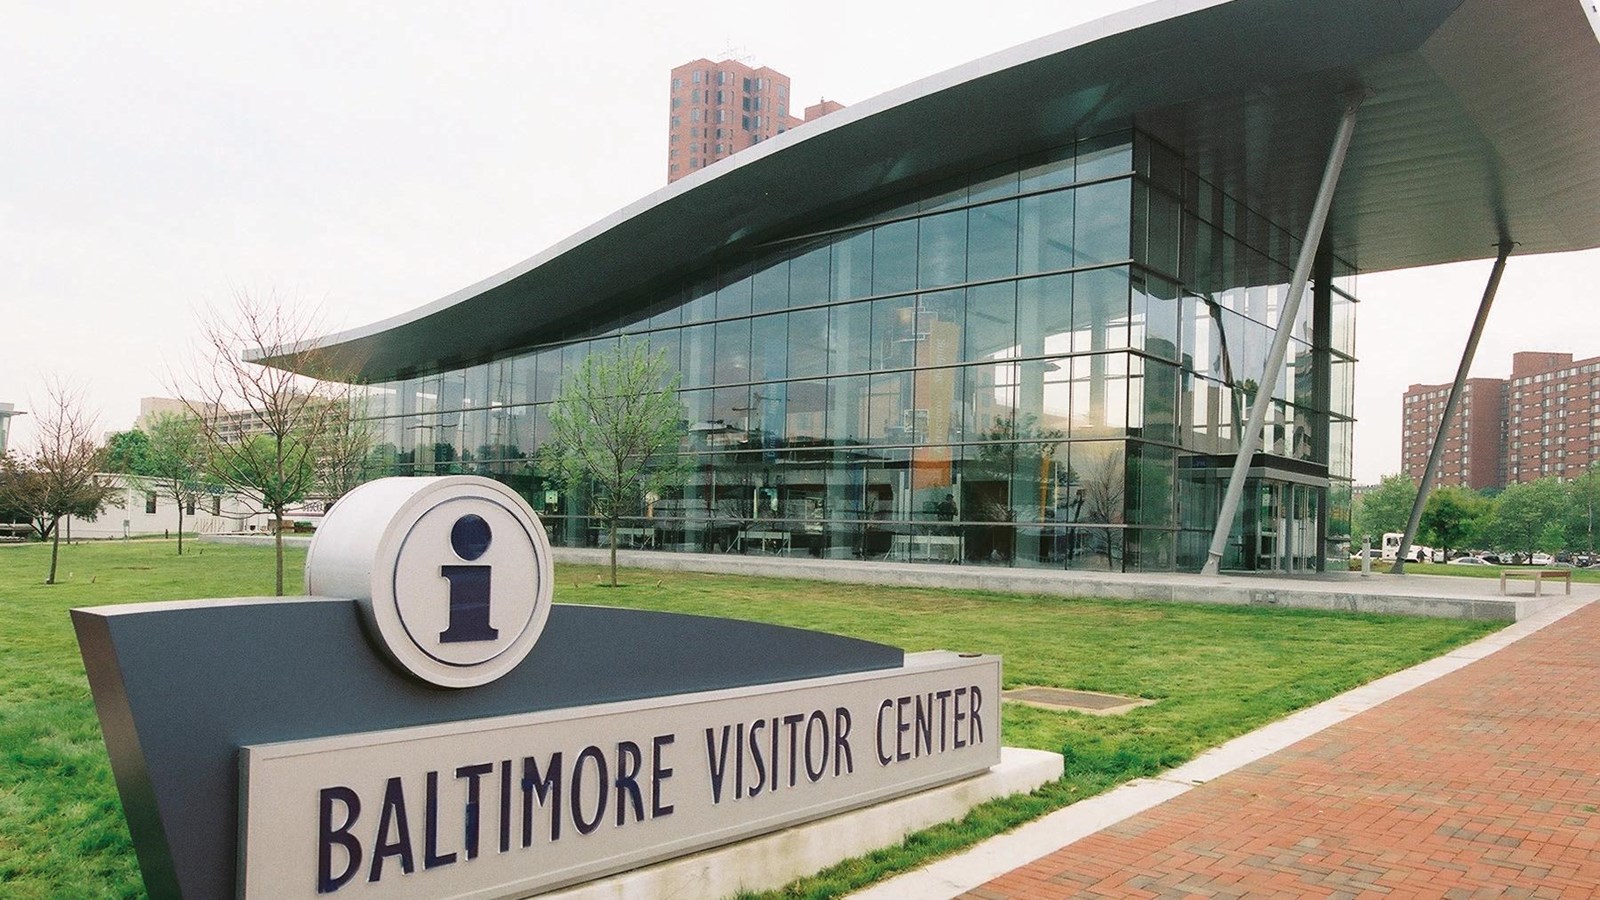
(1385, 508)
(128, 452)
(1553, 538)
(175, 463)
(615, 427)
(1523, 512)
(1583, 508)
(1452, 516)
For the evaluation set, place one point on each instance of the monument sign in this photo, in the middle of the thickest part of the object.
(430, 724)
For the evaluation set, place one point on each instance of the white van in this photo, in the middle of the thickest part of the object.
(1391, 549)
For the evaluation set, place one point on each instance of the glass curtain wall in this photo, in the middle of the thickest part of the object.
(1040, 364)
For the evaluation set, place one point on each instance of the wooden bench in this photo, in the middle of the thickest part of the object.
(1537, 575)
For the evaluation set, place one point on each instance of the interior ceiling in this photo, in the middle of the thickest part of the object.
(1482, 121)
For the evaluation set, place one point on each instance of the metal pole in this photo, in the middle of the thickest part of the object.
(1450, 403)
(1251, 439)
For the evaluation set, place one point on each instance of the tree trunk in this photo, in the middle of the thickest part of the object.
(180, 526)
(55, 548)
(277, 541)
(612, 525)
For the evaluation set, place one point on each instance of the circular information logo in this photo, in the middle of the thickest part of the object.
(457, 573)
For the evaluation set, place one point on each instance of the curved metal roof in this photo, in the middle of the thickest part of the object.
(1483, 122)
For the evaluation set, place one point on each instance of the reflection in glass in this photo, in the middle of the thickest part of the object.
(1026, 369)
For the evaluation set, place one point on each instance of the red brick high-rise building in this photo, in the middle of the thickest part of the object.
(1539, 422)
(1473, 450)
(720, 108)
(1552, 401)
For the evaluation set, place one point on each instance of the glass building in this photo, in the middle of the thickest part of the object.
(1040, 363)
(1015, 314)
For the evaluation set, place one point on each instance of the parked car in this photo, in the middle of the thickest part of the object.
(1467, 561)
(1542, 559)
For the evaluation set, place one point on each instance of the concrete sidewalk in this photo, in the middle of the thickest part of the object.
(1445, 596)
(1475, 774)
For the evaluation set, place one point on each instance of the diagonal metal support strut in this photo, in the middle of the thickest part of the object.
(1250, 441)
(1450, 403)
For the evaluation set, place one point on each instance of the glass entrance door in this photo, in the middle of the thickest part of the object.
(1281, 528)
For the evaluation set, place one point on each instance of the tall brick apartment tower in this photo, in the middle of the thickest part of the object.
(1539, 422)
(1552, 402)
(720, 108)
(1474, 447)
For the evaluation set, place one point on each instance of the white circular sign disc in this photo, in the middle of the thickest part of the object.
(423, 585)
(453, 573)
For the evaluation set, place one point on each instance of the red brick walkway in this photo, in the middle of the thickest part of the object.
(1484, 783)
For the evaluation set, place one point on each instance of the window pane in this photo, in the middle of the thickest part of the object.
(770, 287)
(523, 375)
(939, 399)
(992, 237)
(1054, 168)
(733, 352)
(894, 257)
(699, 356)
(1100, 309)
(702, 303)
(548, 363)
(769, 348)
(942, 249)
(1164, 216)
(806, 411)
(733, 298)
(852, 266)
(1001, 181)
(666, 343)
(991, 397)
(1055, 403)
(1102, 226)
(849, 337)
(991, 321)
(768, 415)
(1045, 237)
(1103, 156)
(1161, 402)
(1159, 299)
(890, 416)
(1044, 316)
(809, 356)
(939, 319)
(847, 409)
(894, 332)
(808, 276)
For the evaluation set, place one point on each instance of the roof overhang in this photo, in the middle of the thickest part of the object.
(1483, 123)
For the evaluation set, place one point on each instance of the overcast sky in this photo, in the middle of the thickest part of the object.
(373, 157)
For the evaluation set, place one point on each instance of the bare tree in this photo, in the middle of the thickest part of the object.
(616, 425)
(345, 448)
(263, 427)
(61, 476)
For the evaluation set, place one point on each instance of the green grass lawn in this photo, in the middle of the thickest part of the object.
(1217, 672)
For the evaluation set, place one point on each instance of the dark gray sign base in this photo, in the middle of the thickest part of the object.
(179, 687)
